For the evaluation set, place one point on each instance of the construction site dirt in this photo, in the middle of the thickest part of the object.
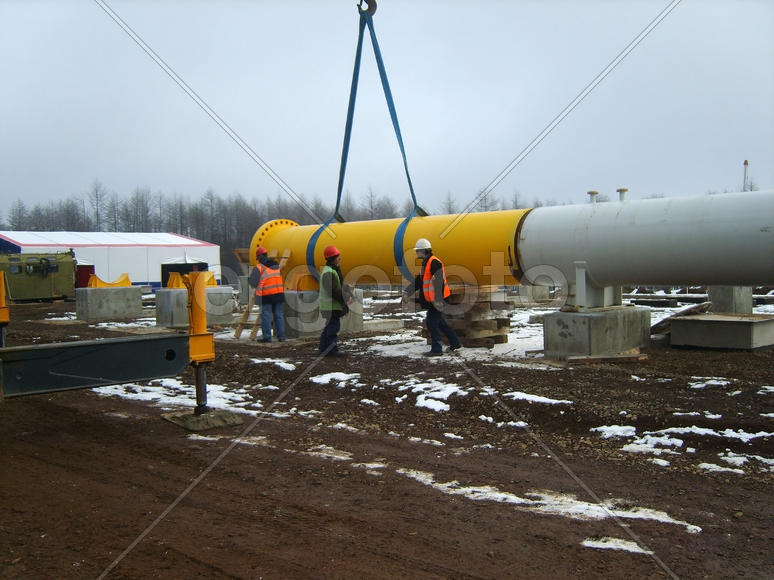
(369, 465)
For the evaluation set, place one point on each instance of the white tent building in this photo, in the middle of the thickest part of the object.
(141, 255)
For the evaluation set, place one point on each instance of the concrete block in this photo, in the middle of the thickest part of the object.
(353, 322)
(172, 307)
(102, 304)
(220, 305)
(382, 325)
(302, 314)
(598, 332)
(745, 332)
(529, 293)
(244, 290)
(731, 299)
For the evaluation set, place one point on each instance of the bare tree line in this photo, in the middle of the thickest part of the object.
(229, 221)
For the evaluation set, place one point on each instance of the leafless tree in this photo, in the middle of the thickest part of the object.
(17, 216)
(98, 199)
(487, 201)
(449, 204)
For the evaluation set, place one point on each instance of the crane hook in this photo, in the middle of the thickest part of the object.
(370, 6)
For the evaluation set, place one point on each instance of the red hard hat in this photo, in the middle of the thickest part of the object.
(331, 252)
(260, 250)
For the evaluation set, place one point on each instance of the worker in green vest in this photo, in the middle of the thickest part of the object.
(333, 304)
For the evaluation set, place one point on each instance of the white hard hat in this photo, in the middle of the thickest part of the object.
(422, 244)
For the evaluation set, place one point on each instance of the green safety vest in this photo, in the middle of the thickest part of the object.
(327, 302)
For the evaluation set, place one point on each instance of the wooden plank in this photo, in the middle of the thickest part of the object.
(460, 325)
(284, 257)
(484, 333)
(486, 314)
(589, 359)
(245, 316)
(256, 326)
(471, 294)
(665, 326)
(655, 302)
(487, 342)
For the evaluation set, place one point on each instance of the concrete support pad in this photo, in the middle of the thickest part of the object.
(735, 331)
(245, 290)
(220, 305)
(302, 314)
(731, 299)
(101, 304)
(382, 325)
(530, 294)
(596, 332)
(172, 306)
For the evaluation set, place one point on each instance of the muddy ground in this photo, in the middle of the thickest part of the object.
(327, 486)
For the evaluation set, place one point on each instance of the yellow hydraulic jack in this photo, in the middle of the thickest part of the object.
(4, 317)
(201, 352)
(201, 344)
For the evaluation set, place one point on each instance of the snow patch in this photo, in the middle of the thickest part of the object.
(518, 395)
(547, 502)
(610, 431)
(614, 544)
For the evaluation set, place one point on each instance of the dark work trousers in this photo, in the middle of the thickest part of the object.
(436, 324)
(329, 336)
(269, 312)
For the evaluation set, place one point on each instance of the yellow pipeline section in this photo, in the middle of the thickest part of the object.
(477, 249)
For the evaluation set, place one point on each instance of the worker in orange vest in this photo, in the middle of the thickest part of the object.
(269, 293)
(432, 289)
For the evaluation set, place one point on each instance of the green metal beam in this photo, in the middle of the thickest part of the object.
(46, 368)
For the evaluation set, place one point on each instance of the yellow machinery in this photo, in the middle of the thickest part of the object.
(97, 282)
(201, 343)
(4, 317)
(477, 250)
(177, 280)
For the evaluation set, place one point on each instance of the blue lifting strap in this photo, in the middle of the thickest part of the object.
(397, 245)
(366, 20)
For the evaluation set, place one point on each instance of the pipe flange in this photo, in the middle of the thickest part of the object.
(263, 233)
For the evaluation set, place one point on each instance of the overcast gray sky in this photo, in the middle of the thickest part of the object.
(474, 83)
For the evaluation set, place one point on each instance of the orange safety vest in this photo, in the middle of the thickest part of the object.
(271, 281)
(427, 281)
